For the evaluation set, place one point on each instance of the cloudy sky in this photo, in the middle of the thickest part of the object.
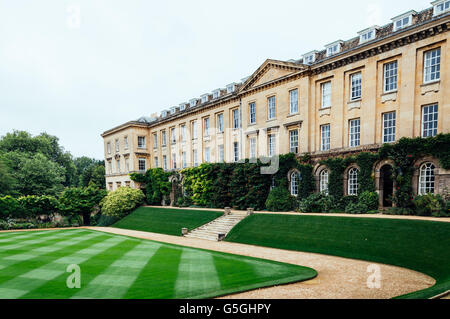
(75, 68)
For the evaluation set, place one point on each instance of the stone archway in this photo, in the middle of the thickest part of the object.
(384, 182)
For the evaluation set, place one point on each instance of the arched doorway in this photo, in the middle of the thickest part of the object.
(386, 185)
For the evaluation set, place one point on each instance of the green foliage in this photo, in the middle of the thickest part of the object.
(121, 202)
(370, 199)
(9, 207)
(81, 201)
(356, 208)
(7, 181)
(157, 185)
(280, 200)
(35, 206)
(317, 203)
(430, 205)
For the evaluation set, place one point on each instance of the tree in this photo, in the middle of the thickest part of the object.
(7, 181)
(37, 175)
(81, 201)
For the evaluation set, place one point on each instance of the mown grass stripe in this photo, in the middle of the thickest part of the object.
(40, 259)
(158, 278)
(115, 281)
(57, 271)
(197, 274)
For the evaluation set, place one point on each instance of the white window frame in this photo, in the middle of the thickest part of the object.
(207, 155)
(235, 116)
(194, 130)
(155, 140)
(432, 65)
(293, 141)
(389, 127)
(195, 158)
(427, 179)
(118, 166)
(183, 133)
(271, 108)
(141, 142)
(402, 21)
(235, 151)
(440, 7)
(108, 147)
(367, 35)
(253, 150)
(293, 101)
(325, 89)
(183, 159)
(221, 154)
(125, 142)
(117, 145)
(127, 165)
(430, 126)
(355, 86)
(354, 132)
(163, 138)
(174, 161)
(220, 122)
(390, 77)
(333, 49)
(325, 137)
(271, 145)
(206, 126)
(295, 179)
(353, 183)
(140, 161)
(324, 178)
(156, 162)
(165, 162)
(173, 136)
(252, 112)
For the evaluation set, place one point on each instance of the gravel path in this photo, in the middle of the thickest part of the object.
(339, 278)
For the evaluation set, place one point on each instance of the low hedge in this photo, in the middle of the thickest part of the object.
(121, 202)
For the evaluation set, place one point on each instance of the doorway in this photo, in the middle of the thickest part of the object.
(387, 185)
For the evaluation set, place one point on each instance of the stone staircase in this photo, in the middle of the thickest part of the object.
(218, 228)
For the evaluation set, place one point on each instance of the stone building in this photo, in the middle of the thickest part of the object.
(388, 82)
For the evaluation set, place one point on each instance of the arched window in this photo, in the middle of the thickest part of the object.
(324, 176)
(294, 183)
(353, 181)
(426, 179)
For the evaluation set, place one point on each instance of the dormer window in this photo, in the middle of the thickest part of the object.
(205, 98)
(309, 58)
(216, 94)
(403, 21)
(193, 102)
(441, 6)
(231, 87)
(182, 106)
(173, 110)
(164, 113)
(333, 48)
(368, 34)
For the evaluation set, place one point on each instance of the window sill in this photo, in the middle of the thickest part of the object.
(430, 83)
(271, 120)
(354, 101)
(293, 114)
(430, 87)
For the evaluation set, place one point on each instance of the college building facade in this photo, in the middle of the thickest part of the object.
(387, 83)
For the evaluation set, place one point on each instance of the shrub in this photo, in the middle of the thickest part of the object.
(80, 201)
(317, 203)
(36, 206)
(10, 208)
(429, 205)
(121, 202)
(280, 200)
(356, 208)
(370, 199)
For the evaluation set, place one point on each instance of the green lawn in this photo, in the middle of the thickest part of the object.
(33, 265)
(166, 221)
(419, 245)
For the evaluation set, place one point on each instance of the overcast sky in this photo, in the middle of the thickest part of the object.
(122, 59)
